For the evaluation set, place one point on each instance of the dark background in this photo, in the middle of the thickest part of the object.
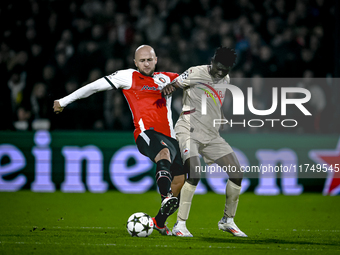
(48, 49)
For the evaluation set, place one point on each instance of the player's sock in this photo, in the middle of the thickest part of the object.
(160, 219)
(187, 193)
(163, 177)
(232, 195)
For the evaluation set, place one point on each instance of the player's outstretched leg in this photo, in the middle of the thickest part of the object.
(227, 222)
(168, 207)
(163, 179)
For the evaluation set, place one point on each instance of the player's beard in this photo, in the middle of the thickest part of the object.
(150, 73)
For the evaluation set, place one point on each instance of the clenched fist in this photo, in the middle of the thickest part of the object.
(168, 89)
(56, 107)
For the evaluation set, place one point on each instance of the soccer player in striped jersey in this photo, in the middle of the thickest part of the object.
(152, 118)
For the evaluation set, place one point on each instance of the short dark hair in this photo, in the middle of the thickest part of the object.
(225, 56)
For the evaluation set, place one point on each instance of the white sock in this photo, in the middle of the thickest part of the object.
(232, 195)
(187, 193)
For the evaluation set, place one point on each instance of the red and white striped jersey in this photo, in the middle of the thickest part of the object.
(149, 109)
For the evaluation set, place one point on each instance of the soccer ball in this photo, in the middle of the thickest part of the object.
(139, 224)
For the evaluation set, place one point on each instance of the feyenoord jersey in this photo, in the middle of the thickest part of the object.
(204, 94)
(143, 93)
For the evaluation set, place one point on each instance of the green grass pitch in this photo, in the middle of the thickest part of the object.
(87, 223)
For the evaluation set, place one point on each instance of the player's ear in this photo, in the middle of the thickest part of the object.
(155, 60)
(135, 62)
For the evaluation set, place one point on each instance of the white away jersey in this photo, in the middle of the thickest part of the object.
(204, 95)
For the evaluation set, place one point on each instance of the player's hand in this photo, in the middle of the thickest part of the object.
(56, 107)
(168, 90)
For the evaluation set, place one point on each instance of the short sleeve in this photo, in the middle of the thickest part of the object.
(121, 79)
(183, 80)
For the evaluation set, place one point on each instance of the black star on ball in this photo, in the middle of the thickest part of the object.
(146, 227)
(134, 233)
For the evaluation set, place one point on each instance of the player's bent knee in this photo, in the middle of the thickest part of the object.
(163, 154)
(237, 181)
(193, 181)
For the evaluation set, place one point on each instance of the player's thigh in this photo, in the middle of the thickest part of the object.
(216, 149)
(150, 143)
(232, 165)
(187, 145)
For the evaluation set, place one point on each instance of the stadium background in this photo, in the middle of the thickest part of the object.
(51, 48)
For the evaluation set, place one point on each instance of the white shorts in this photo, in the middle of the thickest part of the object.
(190, 146)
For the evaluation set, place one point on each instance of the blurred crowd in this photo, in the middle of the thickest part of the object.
(50, 48)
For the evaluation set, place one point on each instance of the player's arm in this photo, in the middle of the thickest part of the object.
(84, 92)
(181, 81)
(170, 88)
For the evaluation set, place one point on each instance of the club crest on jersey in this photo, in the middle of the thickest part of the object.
(162, 80)
(185, 151)
(162, 142)
(146, 87)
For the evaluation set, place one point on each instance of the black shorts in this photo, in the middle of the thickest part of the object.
(151, 142)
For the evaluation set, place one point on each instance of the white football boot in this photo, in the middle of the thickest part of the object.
(228, 225)
(180, 229)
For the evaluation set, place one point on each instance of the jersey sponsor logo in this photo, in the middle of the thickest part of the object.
(214, 95)
(146, 87)
(214, 91)
(220, 93)
(162, 80)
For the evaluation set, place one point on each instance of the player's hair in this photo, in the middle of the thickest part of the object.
(225, 56)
